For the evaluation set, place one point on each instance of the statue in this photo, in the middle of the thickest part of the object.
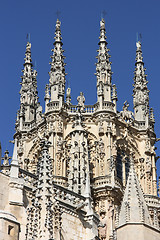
(148, 165)
(103, 226)
(81, 101)
(126, 114)
(38, 112)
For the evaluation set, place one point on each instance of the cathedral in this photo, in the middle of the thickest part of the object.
(81, 172)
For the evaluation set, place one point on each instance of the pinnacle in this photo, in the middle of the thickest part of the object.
(134, 208)
(140, 91)
(28, 59)
(57, 72)
(14, 157)
(102, 31)
(58, 37)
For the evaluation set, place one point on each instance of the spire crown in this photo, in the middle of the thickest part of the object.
(102, 31)
(58, 37)
(28, 59)
(139, 57)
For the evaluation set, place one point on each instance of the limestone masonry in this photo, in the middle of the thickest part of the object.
(81, 172)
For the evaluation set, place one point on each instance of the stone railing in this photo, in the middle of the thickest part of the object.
(102, 181)
(152, 201)
(140, 125)
(53, 106)
(108, 106)
(68, 197)
(27, 126)
(87, 109)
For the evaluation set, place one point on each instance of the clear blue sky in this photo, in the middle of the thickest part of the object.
(80, 32)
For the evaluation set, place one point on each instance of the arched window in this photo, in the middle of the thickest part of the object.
(119, 164)
(122, 165)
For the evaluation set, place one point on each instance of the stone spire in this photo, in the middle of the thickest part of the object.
(103, 68)
(43, 218)
(140, 91)
(57, 73)
(134, 208)
(87, 195)
(29, 104)
(14, 163)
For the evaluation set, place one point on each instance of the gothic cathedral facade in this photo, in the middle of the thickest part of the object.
(81, 172)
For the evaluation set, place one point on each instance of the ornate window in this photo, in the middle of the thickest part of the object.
(122, 165)
(119, 164)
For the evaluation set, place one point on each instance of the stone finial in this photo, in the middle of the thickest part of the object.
(68, 96)
(47, 95)
(14, 163)
(152, 119)
(87, 192)
(87, 195)
(14, 157)
(6, 158)
(114, 92)
(140, 90)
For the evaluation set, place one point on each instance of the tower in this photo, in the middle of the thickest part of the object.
(81, 172)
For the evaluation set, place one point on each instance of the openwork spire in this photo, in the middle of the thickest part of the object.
(29, 106)
(29, 94)
(28, 59)
(57, 72)
(140, 91)
(43, 203)
(103, 67)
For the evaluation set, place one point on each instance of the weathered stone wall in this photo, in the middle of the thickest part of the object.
(4, 191)
(72, 228)
(138, 232)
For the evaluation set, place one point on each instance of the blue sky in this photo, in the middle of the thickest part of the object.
(80, 32)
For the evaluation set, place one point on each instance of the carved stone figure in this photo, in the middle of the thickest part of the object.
(103, 226)
(126, 114)
(148, 165)
(81, 101)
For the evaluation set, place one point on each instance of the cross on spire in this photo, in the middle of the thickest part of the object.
(58, 13)
(28, 37)
(139, 37)
(103, 14)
